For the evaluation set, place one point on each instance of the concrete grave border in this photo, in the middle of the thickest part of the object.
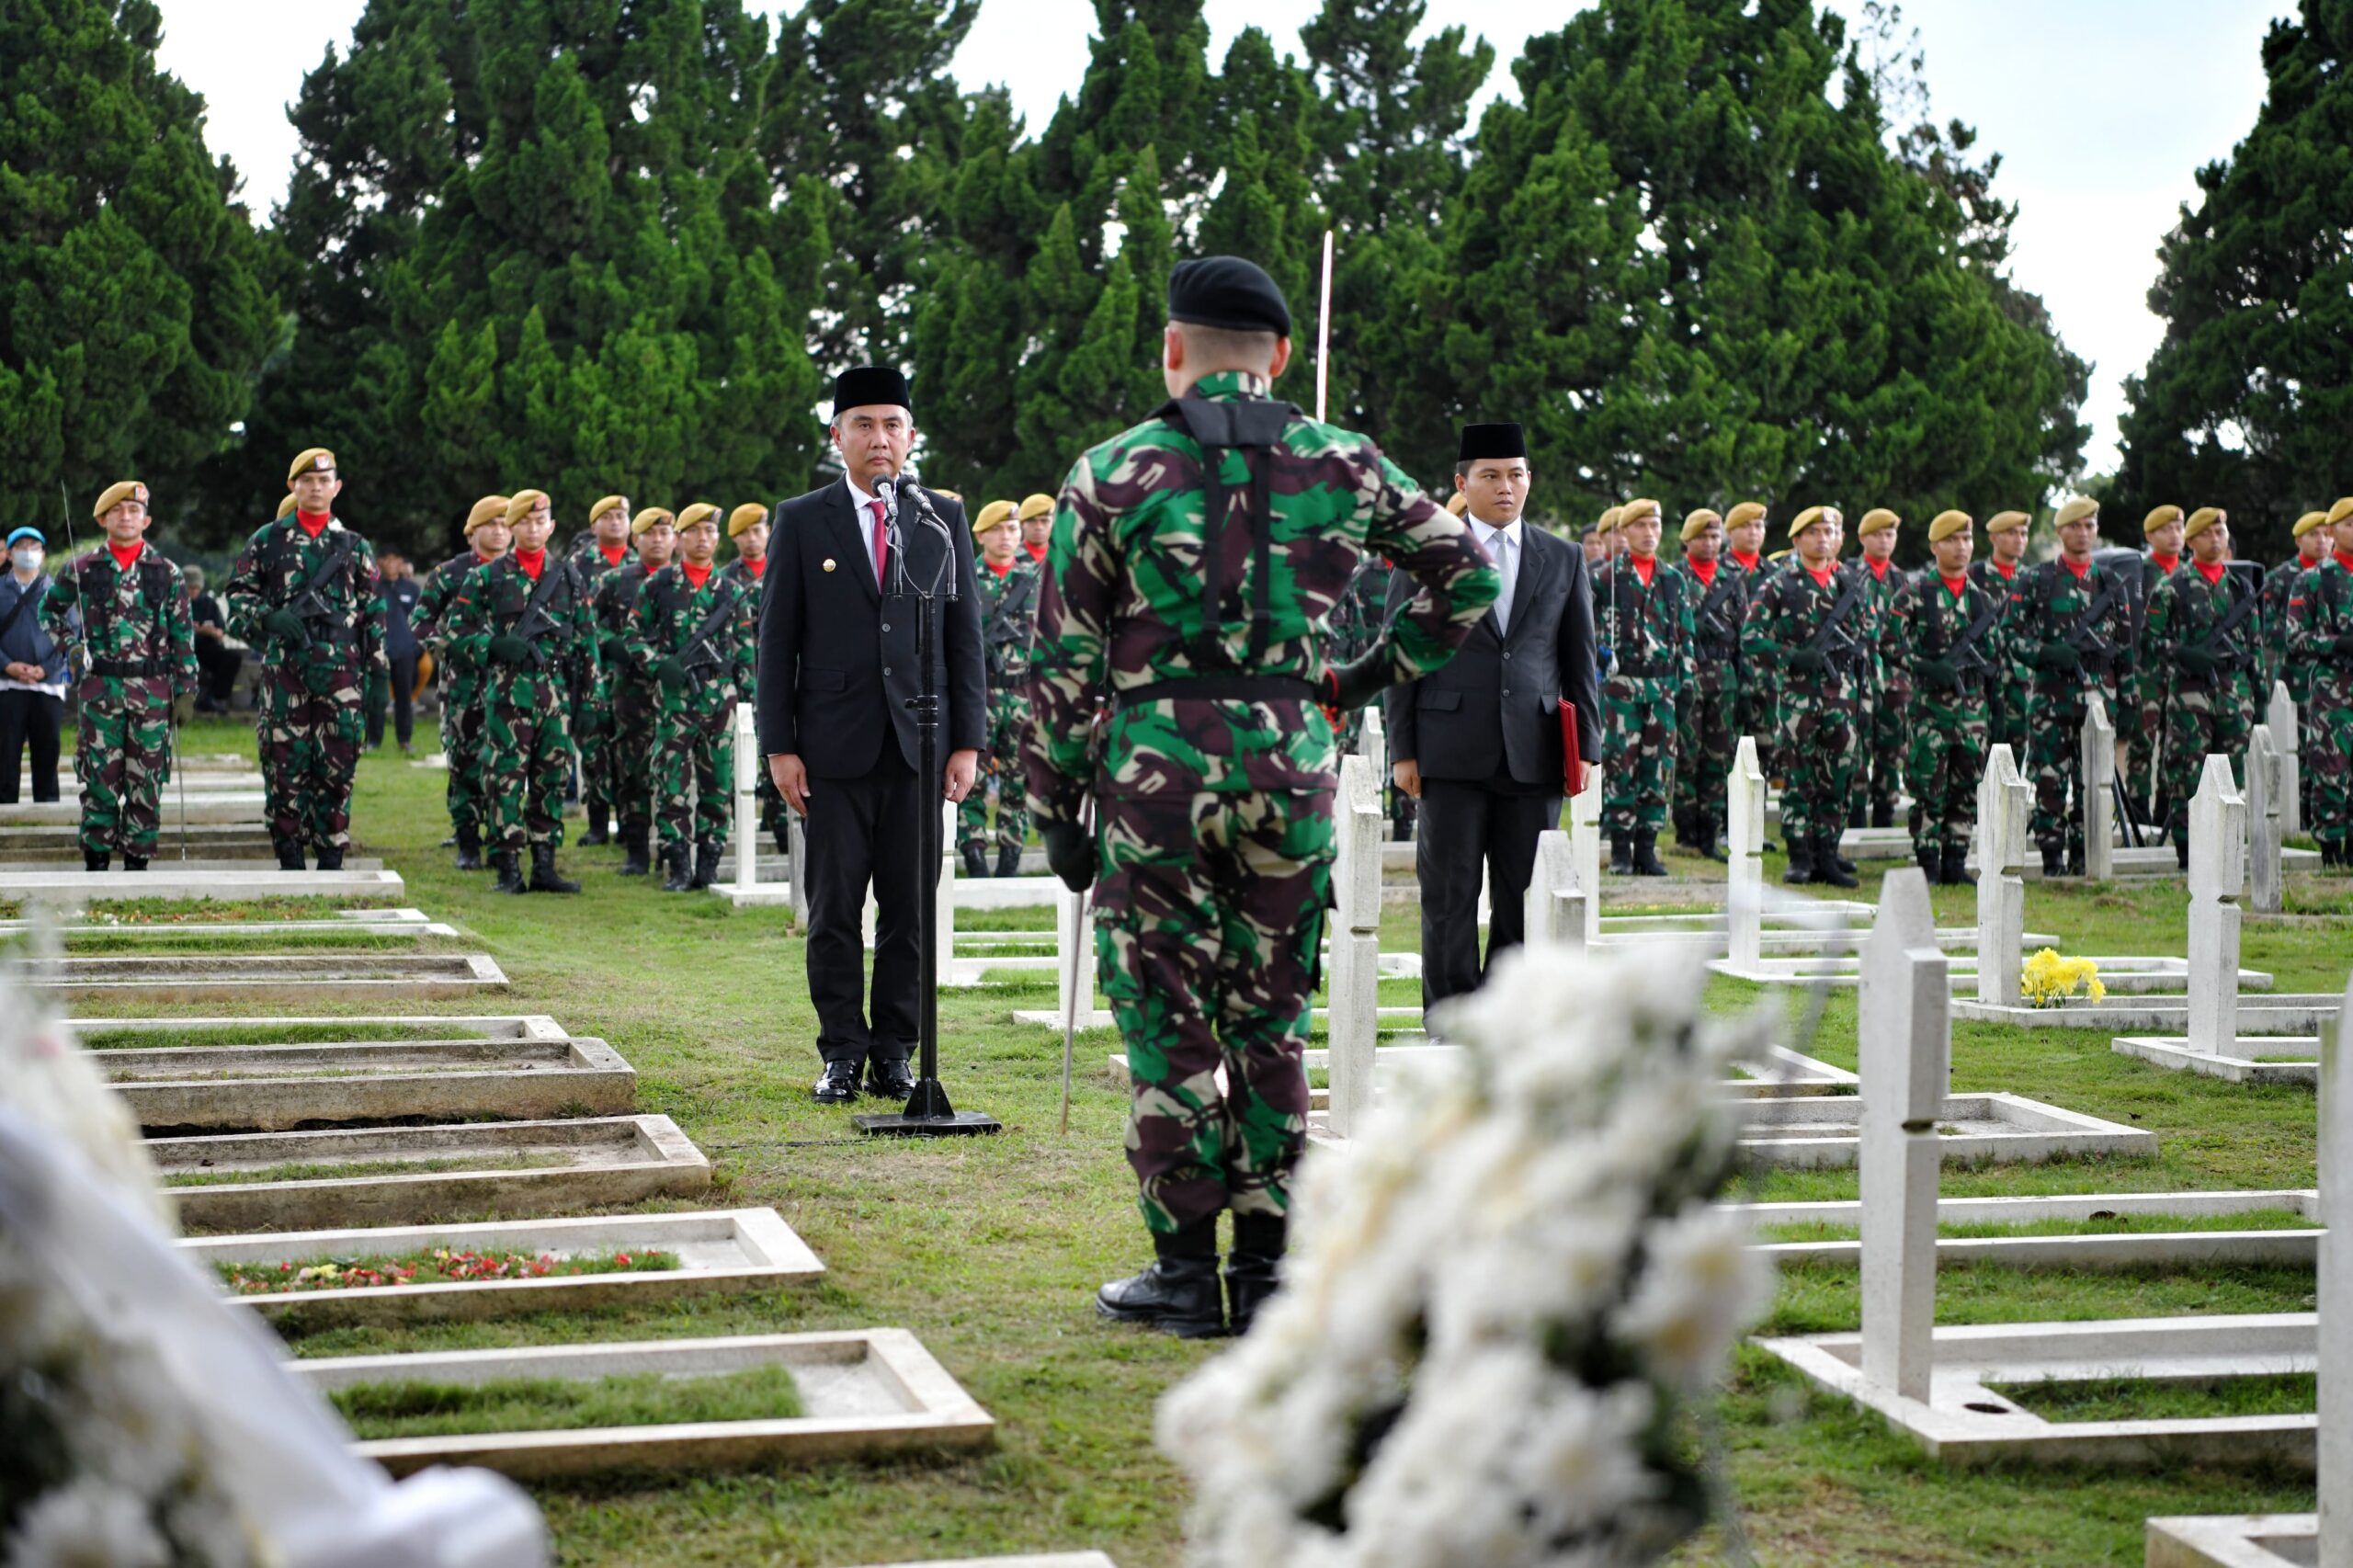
(163, 879)
(341, 922)
(2237, 1065)
(196, 978)
(1774, 1131)
(451, 1026)
(1019, 1560)
(2283, 1012)
(2232, 1541)
(2124, 974)
(2103, 1250)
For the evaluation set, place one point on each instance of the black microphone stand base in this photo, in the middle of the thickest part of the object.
(928, 1115)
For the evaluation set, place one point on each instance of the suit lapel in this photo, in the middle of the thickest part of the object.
(855, 538)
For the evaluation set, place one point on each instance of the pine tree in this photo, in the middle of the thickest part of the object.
(2247, 403)
(139, 302)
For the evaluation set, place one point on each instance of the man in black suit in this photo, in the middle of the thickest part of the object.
(1478, 744)
(839, 679)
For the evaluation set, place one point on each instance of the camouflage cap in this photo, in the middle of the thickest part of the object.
(489, 509)
(701, 511)
(520, 504)
(2003, 522)
(313, 460)
(1877, 518)
(1814, 515)
(750, 514)
(2076, 511)
(1747, 512)
(1697, 522)
(2202, 520)
(608, 504)
(650, 517)
(988, 516)
(1945, 524)
(1039, 505)
(2158, 517)
(115, 494)
(2307, 523)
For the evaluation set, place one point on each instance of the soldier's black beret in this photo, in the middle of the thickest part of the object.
(862, 386)
(1228, 292)
(1491, 441)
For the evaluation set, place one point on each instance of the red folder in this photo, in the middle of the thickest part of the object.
(1569, 757)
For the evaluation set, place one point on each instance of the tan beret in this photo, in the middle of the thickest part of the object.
(115, 493)
(996, 512)
(2003, 522)
(1608, 523)
(1745, 513)
(750, 514)
(317, 459)
(2203, 518)
(1697, 522)
(489, 509)
(701, 511)
(2158, 517)
(1457, 503)
(1635, 511)
(287, 505)
(1037, 505)
(1945, 524)
(2076, 511)
(2342, 510)
(605, 503)
(1814, 515)
(650, 517)
(2307, 523)
(520, 504)
(1877, 518)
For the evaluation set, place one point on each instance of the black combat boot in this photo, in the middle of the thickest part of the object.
(976, 861)
(1008, 860)
(1857, 816)
(290, 856)
(599, 826)
(470, 848)
(680, 868)
(636, 862)
(1956, 872)
(2181, 850)
(1622, 854)
(1178, 1294)
(1646, 861)
(94, 859)
(2074, 859)
(2054, 860)
(543, 873)
(1800, 869)
(1251, 1268)
(134, 862)
(1883, 814)
(1827, 867)
(510, 873)
(330, 858)
(706, 863)
(1932, 862)
(1712, 843)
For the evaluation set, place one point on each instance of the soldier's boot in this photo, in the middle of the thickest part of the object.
(2054, 860)
(1883, 814)
(2074, 859)
(290, 856)
(1008, 860)
(1956, 873)
(134, 862)
(1855, 814)
(2181, 851)
(1932, 862)
(976, 863)
(706, 863)
(1621, 855)
(1178, 1294)
(681, 877)
(543, 873)
(1646, 861)
(1801, 868)
(637, 863)
(330, 858)
(1252, 1268)
(599, 826)
(1827, 867)
(470, 848)
(94, 859)
(509, 871)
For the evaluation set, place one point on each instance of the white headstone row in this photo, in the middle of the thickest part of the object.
(1352, 977)
(2003, 802)
(1904, 1032)
(2217, 871)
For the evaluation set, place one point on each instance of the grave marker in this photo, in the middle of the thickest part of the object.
(2217, 872)
(2264, 801)
(747, 799)
(1353, 984)
(1556, 904)
(2003, 802)
(1584, 850)
(1744, 873)
(2336, 1299)
(2287, 739)
(1906, 1047)
(2098, 790)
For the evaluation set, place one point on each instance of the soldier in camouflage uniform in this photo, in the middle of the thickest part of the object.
(1806, 619)
(625, 690)
(1008, 580)
(694, 632)
(1879, 727)
(2070, 624)
(747, 529)
(1218, 767)
(1643, 617)
(605, 550)
(524, 621)
(1708, 713)
(2312, 537)
(462, 684)
(134, 653)
(2006, 534)
(304, 594)
(2141, 730)
(1037, 518)
(1745, 552)
(1944, 634)
(2190, 636)
(2320, 632)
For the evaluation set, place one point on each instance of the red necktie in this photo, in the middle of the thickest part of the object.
(881, 542)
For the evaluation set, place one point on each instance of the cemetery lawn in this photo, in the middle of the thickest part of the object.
(990, 1249)
(419, 1409)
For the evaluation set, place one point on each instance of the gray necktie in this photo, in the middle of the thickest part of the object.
(1508, 567)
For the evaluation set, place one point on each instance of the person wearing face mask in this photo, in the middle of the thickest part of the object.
(32, 674)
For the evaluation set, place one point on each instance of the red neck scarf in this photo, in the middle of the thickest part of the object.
(1643, 567)
(313, 523)
(1879, 568)
(2212, 570)
(485, 559)
(612, 553)
(2345, 561)
(693, 574)
(754, 564)
(1956, 587)
(2009, 568)
(1746, 563)
(124, 554)
(2081, 571)
(993, 566)
(1037, 551)
(2165, 564)
(530, 560)
(1705, 571)
(1821, 574)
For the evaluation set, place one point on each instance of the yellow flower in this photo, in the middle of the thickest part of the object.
(2047, 979)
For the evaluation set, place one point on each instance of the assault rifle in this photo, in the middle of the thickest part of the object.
(1715, 614)
(702, 652)
(1832, 636)
(1963, 652)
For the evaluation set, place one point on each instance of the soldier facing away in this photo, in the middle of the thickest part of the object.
(605, 550)
(1215, 785)
(1008, 582)
(695, 633)
(486, 539)
(1944, 634)
(2197, 648)
(1707, 711)
(134, 652)
(2320, 628)
(1642, 615)
(1806, 620)
(304, 591)
(2070, 622)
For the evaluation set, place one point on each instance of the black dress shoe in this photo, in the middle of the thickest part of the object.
(890, 1080)
(1175, 1295)
(838, 1084)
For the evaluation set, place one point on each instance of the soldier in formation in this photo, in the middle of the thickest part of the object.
(2005, 682)
(1643, 619)
(1943, 634)
(624, 690)
(1707, 711)
(1008, 582)
(1037, 516)
(1886, 691)
(1756, 714)
(2141, 728)
(121, 612)
(2070, 623)
(604, 550)
(2201, 633)
(1807, 621)
(2320, 630)
(304, 593)
(486, 540)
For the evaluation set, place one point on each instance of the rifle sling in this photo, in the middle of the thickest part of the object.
(1848, 598)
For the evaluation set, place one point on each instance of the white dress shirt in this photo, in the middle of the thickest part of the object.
(864, 501)
(1503, 547)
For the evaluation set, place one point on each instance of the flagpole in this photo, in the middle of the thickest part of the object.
(1324, 333)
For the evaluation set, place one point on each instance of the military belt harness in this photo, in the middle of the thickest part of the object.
(306, 602)
(155, 574)
(520, 622)
(1835, 623)
(700, 648)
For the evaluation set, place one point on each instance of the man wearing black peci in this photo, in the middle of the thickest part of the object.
(1478, 744)
(837, 681)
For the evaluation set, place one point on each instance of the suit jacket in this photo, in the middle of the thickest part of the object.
(837, 655)
(1496, 708)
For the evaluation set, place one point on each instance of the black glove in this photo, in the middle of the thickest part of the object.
(2061, 658)
(1809, 661)
(1356, 684)
(672, 674)
(1070, 853)
(2197, 661)
(509, 649)
(1942, 674)
(285, 625)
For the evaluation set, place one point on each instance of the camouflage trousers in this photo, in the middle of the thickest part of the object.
(2198, 721)
(1881, 732)
(310, 743)
(122, 739)
(1815, 747)
(2007, 715)
(2143, 730)
(1637, 754)
(594, 734)
(2055, 763)
(694, 774)
(1759, 716)
(462, 745)
(632, 749)
(526, 760)
(1000, 775)
(1943, 763)
(2328, 760)
(1707, 738)
(1209, 927)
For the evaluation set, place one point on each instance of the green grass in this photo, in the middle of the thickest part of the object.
(349, 1170)
(2117, 1224)
(557, 1404)
(2149, 1399)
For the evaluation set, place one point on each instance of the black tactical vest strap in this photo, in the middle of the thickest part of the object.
(1249, 425)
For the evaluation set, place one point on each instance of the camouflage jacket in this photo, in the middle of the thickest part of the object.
(1718, 612)
(1122, 606)
(611, 602)
(722, 664)
(2279, 587)
(1926, 623)
(588, 560)
(2050, 605)
(1648, 627)
(133, 624)
(1008, 619)
(2320, 614)
(342, 616)
(1789, 613)
(491, 601)
(1356, 620)
(432, 601)
(740, 571)
(1878, 609)
(2186, 612)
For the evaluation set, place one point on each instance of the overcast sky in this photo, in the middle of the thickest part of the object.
(2102, 111)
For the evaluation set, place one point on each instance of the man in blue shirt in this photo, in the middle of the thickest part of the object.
(32, 673)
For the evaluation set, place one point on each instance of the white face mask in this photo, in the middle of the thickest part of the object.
(26, 557)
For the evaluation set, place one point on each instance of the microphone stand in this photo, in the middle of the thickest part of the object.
(929, 1113)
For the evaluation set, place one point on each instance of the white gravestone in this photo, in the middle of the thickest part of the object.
(2289, 741)
(1352, 978)
(1585, 849)
(2098, 742)
(2217, 873)
(2263, 826)
(1744, 843)
(1904, 1030)
(2003, 805)
(943, 900)
(2335, 1291)
(1556, 904)
(747, 799)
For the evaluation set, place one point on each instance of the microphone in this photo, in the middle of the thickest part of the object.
(925, 510)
